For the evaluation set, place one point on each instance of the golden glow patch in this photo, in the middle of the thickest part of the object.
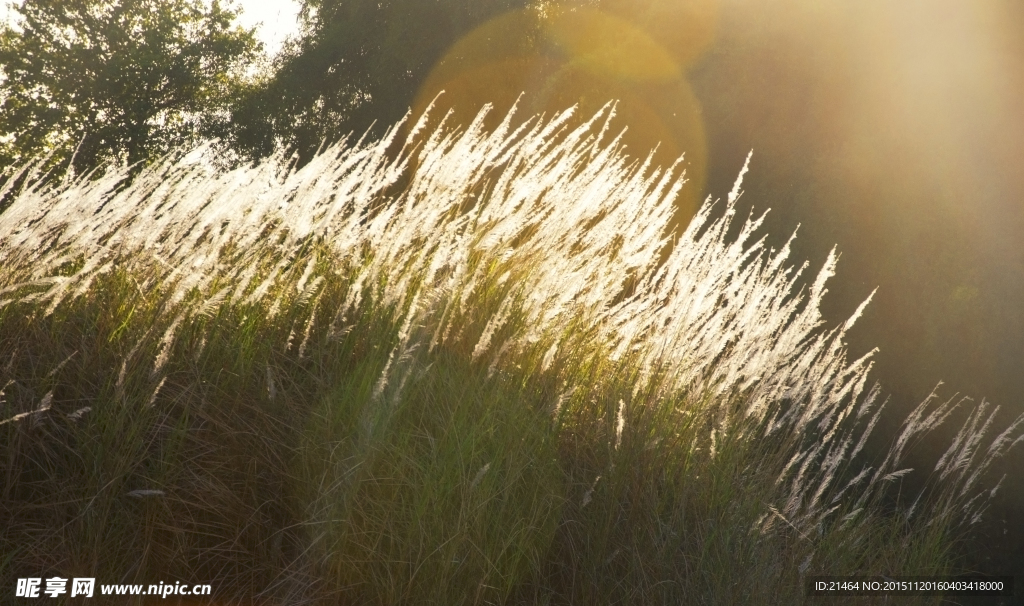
(633, 52)
(610, 46)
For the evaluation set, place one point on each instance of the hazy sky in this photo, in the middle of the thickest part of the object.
(275, 19)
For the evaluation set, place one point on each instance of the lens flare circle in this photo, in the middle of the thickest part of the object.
(551, 59)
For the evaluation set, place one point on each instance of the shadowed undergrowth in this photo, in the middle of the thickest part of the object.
(468, 373)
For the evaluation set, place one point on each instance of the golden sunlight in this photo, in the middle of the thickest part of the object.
(559, 55)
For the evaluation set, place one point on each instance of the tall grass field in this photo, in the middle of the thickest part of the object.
(456, 366)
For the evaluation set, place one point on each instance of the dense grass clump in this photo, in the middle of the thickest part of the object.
(472, 372)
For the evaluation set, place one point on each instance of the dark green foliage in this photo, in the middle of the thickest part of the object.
(116, 80)
(268, 471)
(358, 65)
(281, 477)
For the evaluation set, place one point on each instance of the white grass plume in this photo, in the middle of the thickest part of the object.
(567, 218)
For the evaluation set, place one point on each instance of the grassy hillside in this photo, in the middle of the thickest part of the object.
(471, 372)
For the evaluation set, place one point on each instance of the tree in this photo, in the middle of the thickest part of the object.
(117, 80)
(358, 64)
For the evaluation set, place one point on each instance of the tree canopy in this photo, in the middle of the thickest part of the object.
(356, 68)
(120, 80)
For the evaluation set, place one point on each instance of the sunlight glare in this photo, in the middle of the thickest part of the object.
(563, 54)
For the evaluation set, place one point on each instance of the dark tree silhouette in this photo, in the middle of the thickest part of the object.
(355, 69)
